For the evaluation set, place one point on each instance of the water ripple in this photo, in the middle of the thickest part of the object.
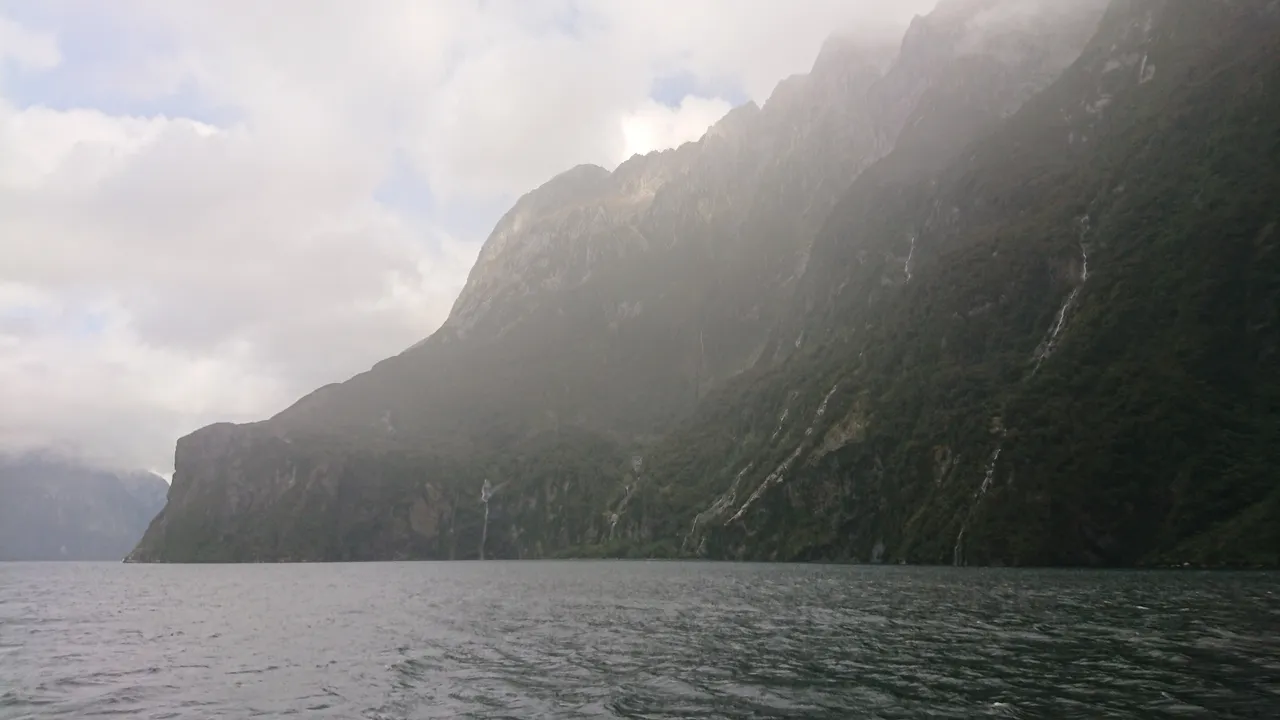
(633, 640)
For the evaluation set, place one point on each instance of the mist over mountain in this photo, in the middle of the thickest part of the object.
(58, 508)
(1005, 295)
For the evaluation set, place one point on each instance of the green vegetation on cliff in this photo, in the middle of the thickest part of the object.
(1076, 365)
(1039, 327)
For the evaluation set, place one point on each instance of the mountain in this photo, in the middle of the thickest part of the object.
(962, 302)
(1054, 344)
(57, 509)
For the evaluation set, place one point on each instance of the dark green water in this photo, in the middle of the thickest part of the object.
(633, 640)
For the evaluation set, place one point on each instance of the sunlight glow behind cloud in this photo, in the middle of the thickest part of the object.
(195, 218)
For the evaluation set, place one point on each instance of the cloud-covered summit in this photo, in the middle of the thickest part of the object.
(208, 208)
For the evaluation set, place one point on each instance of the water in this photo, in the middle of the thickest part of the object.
(651, 640)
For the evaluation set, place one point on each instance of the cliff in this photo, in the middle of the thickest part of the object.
(1007, 297)
(1054, 347)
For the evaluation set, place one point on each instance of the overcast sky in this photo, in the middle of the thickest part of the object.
(208, 209)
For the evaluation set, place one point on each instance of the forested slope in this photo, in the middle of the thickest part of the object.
(1007, 296)
(1060, 348)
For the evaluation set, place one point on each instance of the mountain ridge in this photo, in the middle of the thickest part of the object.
(971, 424)
(719, 350)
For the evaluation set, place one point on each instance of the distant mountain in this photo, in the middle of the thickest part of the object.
(57, 509)
(1005, 295)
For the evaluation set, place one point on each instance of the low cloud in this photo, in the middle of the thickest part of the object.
(654, 126)
(194, 223)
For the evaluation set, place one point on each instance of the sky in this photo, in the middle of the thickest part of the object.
(209, 208)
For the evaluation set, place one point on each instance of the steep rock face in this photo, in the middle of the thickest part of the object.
(1055, 346)
(616, 300)
(56, 509)
(604, 308)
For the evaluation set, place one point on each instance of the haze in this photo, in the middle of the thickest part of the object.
(208, 209)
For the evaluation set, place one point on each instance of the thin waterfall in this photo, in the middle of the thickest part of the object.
(957, 552)
(486, 492)
(906, 266)
(721, 505)
(622, 506)
(1050, 343)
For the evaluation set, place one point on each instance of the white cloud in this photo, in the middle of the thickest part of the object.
(28, 49)
(756, 42)
(163, 270)
(112, 397)
(235, 275)
(655, 126)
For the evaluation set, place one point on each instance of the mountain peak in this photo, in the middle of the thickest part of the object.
(577, 184)
(584, 173)
(619, 369)
(843, 50)
(735, 122)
